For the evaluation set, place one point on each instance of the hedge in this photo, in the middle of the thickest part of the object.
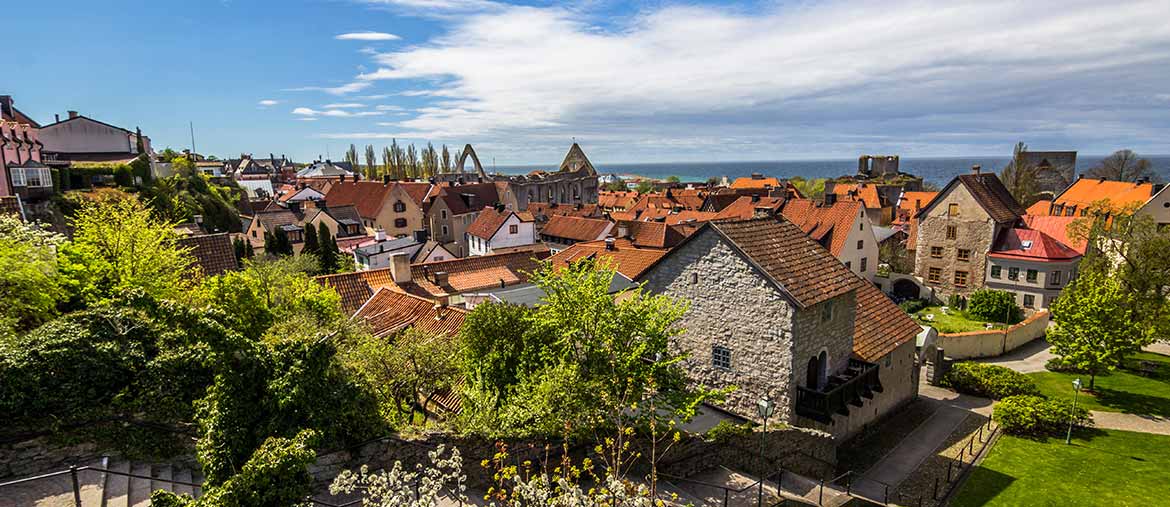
(1038, 416)
(989, 381)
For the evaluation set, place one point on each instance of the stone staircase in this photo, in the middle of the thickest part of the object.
(716, 486)
(101, 488)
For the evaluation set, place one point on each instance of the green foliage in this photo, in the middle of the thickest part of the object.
(957, 301)
(30, 285)
(810, 188)
(311, 246)
(123, 176)
(327, 248)
(615, 186)
(1021, 178)
(913, 305)
(989, 381)
(1098, 324)
(140, 167)
(120, 245)
(995, 306)
(1038, 416)
(281, 245)
(644, 187)
(276, 475)
(267, 291)
(403, 369)
(673, 179)
(579, 361)
(727, 431)
(180, 197)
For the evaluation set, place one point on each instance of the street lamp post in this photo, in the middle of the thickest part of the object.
(1073, 416)
(764, 408)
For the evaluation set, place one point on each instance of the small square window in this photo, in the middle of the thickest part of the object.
(953, 209)
(513, 229)
(1032, 275)
(996, 271)
(1013, 274)
(721, 357)
(827, 311)
(952, 232)
(443, 214)
(934, 275)
(694, 278)
(961, 278)
(1029, 301)
(1054, 278)
(860, 244)
(963, 255)
(936, 252)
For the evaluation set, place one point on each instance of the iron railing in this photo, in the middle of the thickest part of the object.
(859, 380)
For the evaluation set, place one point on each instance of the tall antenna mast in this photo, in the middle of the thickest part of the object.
(192, 126)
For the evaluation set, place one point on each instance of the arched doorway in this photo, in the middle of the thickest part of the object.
(905, 288)
(812, 374)
(823, 368)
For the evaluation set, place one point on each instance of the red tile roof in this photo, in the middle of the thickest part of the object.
(796, 263)
(470, 198)
(650, 201)
(879, 326)
(490, 220)
(1057, 228)
(747, 206)
(1033, 245)
(863, 192)
(910, 203)
(627, 259)
(827, 225)
(752, 182)
(357, 287)
(1040, 208)
(653, 234)
(417, 191)
(620, 200)
(543, 210)
(1121, 194)
(576, 228)
(367, 196)
(473, 273)
(990, 193)
(390, 311)
(214, 253)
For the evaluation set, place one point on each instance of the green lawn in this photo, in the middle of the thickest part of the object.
(955, 322)
(1123, 390)
(1099, 468)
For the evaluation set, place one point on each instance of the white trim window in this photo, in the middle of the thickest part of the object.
(17, 177)
(39, 177)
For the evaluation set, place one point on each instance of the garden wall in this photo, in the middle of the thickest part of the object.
(993, 343)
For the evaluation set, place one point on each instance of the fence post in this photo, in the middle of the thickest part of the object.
(821, 495)
(934, 495)
(949, 465)
(725, 491)
(76, 486)
(971, 446)
(981, 433)
(760, 496)
(886, 495)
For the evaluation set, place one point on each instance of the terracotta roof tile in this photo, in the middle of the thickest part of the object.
(390, 311)
(213, 253)
(990, 193)
(1057, 227)
(808, 272)
(827, 225)
(620, 200)
(418, 192)
(576, 228)
(1031, 244)
(470, 198)
(1121, 194)
(473, 273)
(910, 202)
(863, 192)
(654, 234)
(750, 182)
(880, 326)
(490, 220)
(627, 259)
(1040, 208)
(357, 287)
(543, 210)
(367, 196)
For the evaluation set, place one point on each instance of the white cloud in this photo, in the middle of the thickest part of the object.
(344, 89)
(343, 105)
(335, 113)
(307, 119)
(830, 72)
(367, 36)
(388, 107)
(268, 102)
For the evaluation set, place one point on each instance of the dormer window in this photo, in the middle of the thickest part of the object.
(1026, 244)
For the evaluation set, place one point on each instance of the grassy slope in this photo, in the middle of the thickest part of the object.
(1101, 468)
(956, 322)
(1123, 390)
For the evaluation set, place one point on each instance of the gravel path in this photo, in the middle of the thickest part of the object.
(1029, 358)
(1131, 422)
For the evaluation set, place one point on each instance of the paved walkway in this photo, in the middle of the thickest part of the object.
(920, 444)
(1029, 358)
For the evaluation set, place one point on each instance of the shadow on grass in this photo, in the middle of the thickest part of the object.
(1133, 403)
(982, 487)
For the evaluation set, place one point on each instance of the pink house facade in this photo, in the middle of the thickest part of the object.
(20, 154)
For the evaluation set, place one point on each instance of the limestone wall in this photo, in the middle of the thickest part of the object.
(975, 231)
(814, 335)
(731, 306)
(899, 376)
(995, 342)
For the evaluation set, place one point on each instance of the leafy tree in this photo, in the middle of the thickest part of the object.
(405, 368)
(118, 245)
(995, 306)
(268, 291)
(183, 167)
(30, 285)
(673, 179)
(123, 176)
(810, 188)
(276, 475)
(493, 365)
(615, 186)
(179, 198)
(351, 156)
(167, 154)
(644, 187)
(1020, 177)
(1122, 165)
(445, 164)
(239, 249)
(281, 245)
(371, 162)
(896, 256)
(1098, 324)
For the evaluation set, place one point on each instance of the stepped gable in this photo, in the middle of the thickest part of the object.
(880, 326)
(784, 253)
(356, 288)
(214, 253)
(576, 161)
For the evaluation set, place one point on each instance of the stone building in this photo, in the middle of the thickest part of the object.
(575, 182)
(774, 314)
(957, 229)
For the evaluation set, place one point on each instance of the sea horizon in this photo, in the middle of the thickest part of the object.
(935, 170)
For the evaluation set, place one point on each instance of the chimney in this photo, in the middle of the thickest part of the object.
(1102, 180)
(609, 243)
(830, 199)
(341, 178)
(6, 105)
(400, 268)
(755, 197)
(385, 179)
(975, 169)
(72, 114)
(56, 117)
(441, 278)
(380, 234)
(623, 230)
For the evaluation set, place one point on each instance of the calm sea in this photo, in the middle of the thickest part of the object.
(935, 170)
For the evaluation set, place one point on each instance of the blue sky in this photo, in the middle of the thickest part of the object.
(633, 82)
